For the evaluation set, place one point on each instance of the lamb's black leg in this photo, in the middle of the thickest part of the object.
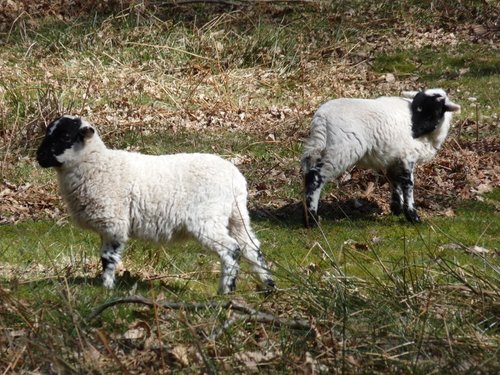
(111, 251)
(313, 183)
(409, 205)
(402, 194)
(397, 200)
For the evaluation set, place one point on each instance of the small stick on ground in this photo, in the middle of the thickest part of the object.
(251, 313)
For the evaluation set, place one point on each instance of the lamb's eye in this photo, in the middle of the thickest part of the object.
(419, 109)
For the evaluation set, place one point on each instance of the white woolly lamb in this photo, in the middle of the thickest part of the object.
(391, 134)
(121, 194)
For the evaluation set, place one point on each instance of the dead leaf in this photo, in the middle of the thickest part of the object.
(180, 353)
(91, 352)
(18, 333)
(153, 342)
(134, 334)
(483, 188)
(310, 365)
(369, 189)
(356, 245)
(252, 359)
(478, 250)
(479, 29)
(140, 330)
(239, 159)
(449, 212)
(463, 71)
(390, 78)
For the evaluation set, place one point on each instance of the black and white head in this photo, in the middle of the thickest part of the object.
(65, 136)
(428, 109)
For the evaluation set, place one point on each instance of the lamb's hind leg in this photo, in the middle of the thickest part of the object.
(402, 181)
(239, 228)
(216, 237)
(397, 200)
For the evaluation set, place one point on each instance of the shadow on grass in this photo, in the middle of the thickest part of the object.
(126, 283)
(291, 215)
(122, 283)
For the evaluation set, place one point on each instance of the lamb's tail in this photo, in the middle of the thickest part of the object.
(314, 146)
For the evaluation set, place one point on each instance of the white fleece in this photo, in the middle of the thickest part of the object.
(378, 134)
(122, 194)
(370, 133)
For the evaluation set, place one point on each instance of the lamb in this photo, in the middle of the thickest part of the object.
(391, 134)
(121, 194)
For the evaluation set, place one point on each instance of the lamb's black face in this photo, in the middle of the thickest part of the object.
(62, 134)
(427, 112)
(428, 106)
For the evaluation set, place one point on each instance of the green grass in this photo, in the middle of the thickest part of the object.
(386, 238)
(473, 70)
(372, 274)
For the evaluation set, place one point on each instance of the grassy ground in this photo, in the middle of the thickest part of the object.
(377, 295)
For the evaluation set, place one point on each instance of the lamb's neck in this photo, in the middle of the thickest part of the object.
(439, 135)
(83, 169)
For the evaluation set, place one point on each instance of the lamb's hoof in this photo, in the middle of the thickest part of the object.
(108, 282)
(412, 216)
(311, 219)
(227, 289)
(268, 287)
(396, 208)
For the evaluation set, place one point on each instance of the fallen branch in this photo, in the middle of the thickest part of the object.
(251, 313)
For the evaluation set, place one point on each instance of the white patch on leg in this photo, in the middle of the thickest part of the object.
(108, 281)
(230, 269)
(315, 200)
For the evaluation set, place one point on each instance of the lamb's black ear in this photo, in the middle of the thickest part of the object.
(87, 132)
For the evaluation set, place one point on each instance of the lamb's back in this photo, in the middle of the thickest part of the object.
(171, 193)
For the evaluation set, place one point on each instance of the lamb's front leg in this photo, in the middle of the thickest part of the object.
(314, 180)
(401, 178)
(111, 251)
(409, 205)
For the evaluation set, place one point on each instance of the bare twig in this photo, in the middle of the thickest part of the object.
(251, 313)
(12, 365)
(216, 332)
(102, 337)
(209, 365)
(169, 48)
